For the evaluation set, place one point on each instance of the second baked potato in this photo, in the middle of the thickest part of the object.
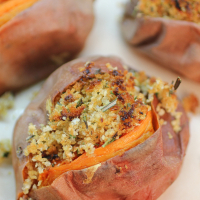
(37, 36)
(167, 31)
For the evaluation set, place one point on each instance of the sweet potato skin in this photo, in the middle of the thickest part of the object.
(41, 38)
(172, 43)
(143, 172)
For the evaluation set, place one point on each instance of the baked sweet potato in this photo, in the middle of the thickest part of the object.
(171, 42)
(138, 161)
(37, 36)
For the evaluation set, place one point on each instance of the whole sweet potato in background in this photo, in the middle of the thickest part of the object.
(172, 43)
(143, 172)
(42, 37)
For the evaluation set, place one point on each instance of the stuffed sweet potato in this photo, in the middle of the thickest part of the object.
(37, 36)
(167, 31)
(97, 131)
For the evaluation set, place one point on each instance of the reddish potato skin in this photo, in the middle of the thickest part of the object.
(41, 38)
(146, 170)
(172, 43)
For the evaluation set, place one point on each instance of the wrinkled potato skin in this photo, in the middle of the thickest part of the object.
(172, 43)
(146, 170)
(41, 38)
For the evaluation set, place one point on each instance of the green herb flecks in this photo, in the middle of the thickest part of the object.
(98, 71)
(156, 94)
(85, 121)
(71, 136)
(59, 103)
(106, 85)
(135, 98)
(128, 105)
(6, 154)
(110, 140)
(30, 137)
(79, 103)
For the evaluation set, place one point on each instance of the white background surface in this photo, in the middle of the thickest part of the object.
(105, 39)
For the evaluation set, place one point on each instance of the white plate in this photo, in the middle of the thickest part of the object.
(106, 39)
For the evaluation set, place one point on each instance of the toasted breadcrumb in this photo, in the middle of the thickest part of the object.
(190, 103)
(34, 95)
(170, 135)
(176, 122)
(162, 122)
(179, 9)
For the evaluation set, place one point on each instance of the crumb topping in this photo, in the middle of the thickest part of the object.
(173, 9)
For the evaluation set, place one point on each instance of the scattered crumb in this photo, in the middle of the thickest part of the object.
(110, 67)
(6, 103)
(190, 103)
(170, 135)
(160, 110)
(163, 122)
(34, 95)
(90, 173)
(126, 166)
(5, 150)
(81, 69)
(176, 122)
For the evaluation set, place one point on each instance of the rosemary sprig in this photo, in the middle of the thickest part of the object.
(29, 137)
(177, 83)
(110, 140)
(128, 105)
(79, 103)
(110, 105)
(85, 121)
(135, 98)
(59, 103)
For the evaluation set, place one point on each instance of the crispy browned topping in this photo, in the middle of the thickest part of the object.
(175, 9)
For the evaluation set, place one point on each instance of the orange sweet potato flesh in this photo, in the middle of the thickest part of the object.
(9, 9)
(37, 36)
(141, 172)
(172, 43)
